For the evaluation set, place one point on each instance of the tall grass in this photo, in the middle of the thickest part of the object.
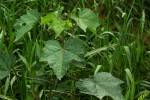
(117, 47)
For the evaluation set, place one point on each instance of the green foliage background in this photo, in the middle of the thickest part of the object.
(74, 49)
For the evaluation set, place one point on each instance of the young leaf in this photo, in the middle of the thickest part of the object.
(102, 84)
(56, 23)
(26, 23)
(59, 25)
(59, 58)
(86, 19)
(48, 18)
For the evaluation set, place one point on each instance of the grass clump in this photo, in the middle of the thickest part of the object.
(68, 50)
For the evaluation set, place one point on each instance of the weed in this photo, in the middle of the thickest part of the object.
(74, 50)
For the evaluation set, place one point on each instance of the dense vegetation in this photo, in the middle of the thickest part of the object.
(74, 49)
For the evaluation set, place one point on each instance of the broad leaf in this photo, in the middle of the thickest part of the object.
(86, 19)
(26, 23)
(6, 61)
(102, 84)
(59, 58)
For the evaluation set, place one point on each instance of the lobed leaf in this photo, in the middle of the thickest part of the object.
(26, 23)
(59, 58)
(86, 19)
(102, 84)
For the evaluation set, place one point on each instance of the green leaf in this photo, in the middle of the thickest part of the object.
(86, 19)
(48, 18)
(102, 84)
(59, 25)
(128, 54)
(56, 23)
(26, 23)
(90, 53)
(59, 58)
(5, 64)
